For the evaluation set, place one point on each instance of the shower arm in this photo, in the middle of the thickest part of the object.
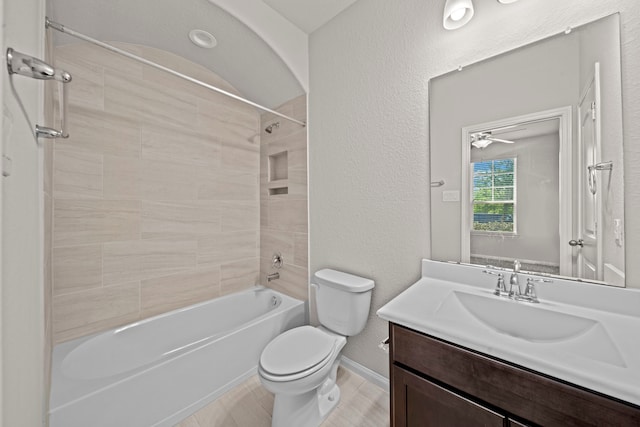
(66, 30)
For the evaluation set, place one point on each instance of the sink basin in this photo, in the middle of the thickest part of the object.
(520, 320)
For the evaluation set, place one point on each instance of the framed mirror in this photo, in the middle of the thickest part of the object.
(526, 158)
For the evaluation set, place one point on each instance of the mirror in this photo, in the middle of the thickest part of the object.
(526, 158)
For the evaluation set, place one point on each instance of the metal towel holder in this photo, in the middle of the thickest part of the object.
(28, 66)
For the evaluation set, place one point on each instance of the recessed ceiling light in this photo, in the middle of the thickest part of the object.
(507, 1)
(202, 38)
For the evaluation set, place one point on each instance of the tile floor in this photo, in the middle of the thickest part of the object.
(362, 404)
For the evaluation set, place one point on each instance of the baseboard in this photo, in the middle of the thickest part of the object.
(366, 373)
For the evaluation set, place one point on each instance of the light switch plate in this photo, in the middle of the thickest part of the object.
(451, 196)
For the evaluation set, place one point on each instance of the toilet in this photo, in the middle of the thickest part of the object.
(300, 365)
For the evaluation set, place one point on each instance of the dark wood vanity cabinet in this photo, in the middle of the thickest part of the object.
(438, 384)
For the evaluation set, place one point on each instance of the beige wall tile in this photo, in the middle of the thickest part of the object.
(79, 222)
(288, 215)
(277, 241)
(136, 98)
(146, 259)
(229, 246)
(100, 132)
(88, 82)
(299, 107)
(283, 217)
(238, 275)
(121, 177)
(47, 167)
(81, 309)
(293, 280)
(78, 175)
(229, 120)
(297, 183)
(77, 268)
(179, 290)
(168, 181)
(230, 186)
(240, 216)
(178, 185)
(240, 156)
(301, 249)
(295, 146)
(179, 145)
(180, 219)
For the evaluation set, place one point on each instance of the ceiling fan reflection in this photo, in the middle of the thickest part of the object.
(482, 140)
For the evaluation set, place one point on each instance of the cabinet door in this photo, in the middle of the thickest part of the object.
(417, 402)
(514, 423)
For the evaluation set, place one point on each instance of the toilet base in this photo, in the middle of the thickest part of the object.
(304, 410)
(308, 409)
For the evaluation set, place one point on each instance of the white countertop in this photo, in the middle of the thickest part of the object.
(605, 359)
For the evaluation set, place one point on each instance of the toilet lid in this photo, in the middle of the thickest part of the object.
(296, 350)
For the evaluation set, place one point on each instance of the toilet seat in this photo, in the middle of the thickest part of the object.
(297, 353)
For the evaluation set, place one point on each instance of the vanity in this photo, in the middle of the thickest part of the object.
(462, 356)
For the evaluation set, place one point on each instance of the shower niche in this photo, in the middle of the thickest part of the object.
(278, 180)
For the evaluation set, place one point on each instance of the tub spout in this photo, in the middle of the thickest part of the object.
(273, 276)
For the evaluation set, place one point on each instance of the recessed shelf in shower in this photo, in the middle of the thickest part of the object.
(278, 174)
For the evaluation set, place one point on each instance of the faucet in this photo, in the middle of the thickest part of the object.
(514, 285)
(500, 290)
(530, 291)
(273, 276)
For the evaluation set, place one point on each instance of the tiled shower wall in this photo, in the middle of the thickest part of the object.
(283, 199)
(155, 194)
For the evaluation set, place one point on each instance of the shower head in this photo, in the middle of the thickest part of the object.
(269, 128)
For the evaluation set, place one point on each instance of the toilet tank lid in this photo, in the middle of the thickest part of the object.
(343, 281)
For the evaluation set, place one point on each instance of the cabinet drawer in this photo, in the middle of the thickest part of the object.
(525, 394)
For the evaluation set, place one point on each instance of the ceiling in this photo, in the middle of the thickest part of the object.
(309, 15)
(270, 68)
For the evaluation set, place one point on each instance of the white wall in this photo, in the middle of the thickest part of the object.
(369, 145)
(21, 300)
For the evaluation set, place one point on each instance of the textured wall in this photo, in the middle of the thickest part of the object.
(283, 217)
(22, 350)
(369, 140)
(156, 200)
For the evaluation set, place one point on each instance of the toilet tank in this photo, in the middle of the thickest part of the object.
(342, 301)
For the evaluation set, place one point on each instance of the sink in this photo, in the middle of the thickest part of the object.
(580, 333)
(520, 320)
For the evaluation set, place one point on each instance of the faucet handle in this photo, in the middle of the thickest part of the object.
(530, 291)
(501, 289)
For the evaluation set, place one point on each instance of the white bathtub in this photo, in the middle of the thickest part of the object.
(158, 371)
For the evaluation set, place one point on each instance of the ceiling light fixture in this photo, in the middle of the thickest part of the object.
(507, 1)
(457, 13)
(202, 38)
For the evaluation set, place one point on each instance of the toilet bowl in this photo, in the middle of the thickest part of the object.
(300, 366)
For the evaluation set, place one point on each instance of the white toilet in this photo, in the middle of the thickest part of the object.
(300, 365)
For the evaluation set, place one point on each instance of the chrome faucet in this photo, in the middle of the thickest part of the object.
(501, 289)
(514, 285)
(273, 276)
(530, 294)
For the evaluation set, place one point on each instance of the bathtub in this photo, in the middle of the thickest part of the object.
(160, 370)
